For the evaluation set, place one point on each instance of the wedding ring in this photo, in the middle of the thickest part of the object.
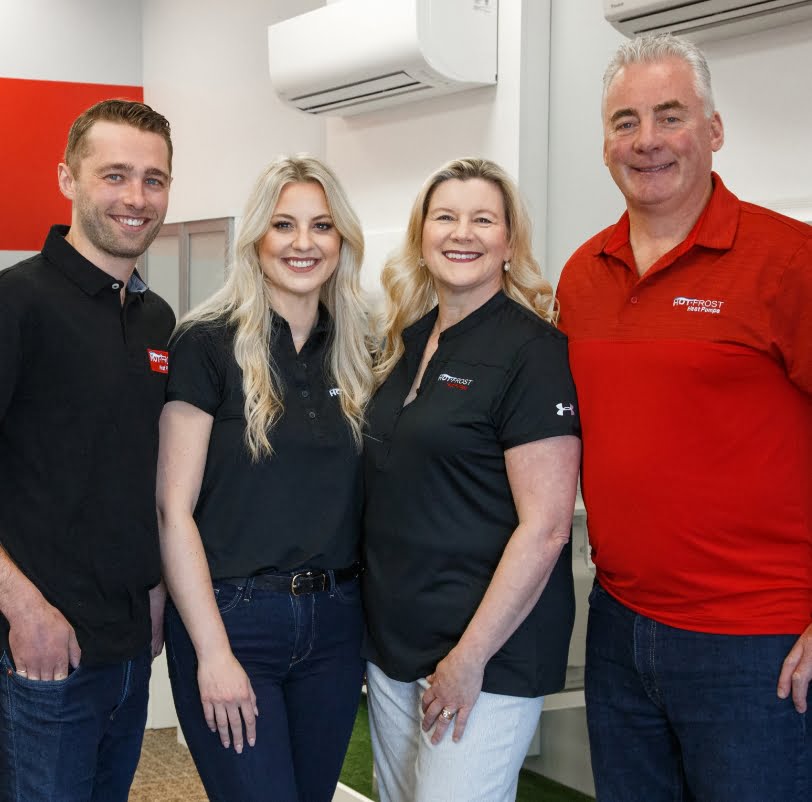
(447, 714)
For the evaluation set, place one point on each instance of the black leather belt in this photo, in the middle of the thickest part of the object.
(301, 582)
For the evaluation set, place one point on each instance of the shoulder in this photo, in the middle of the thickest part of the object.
(160, 310)
(23, 277)
(519, 326)
(585, 255)
(775, 228)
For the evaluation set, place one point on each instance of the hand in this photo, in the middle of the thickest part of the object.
(42, 642)
(228, 699)
(455, 685)
(797, 671)
(157, 601)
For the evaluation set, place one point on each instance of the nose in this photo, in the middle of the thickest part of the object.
(302, 239)
(462, 230)
(134, 194)
(647, 136)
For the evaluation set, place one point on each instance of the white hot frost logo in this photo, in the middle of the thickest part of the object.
(699, 305)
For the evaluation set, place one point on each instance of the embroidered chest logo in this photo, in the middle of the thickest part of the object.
(158, 360)
(710, 307)
(334, 391)
(562, 409)
(455, 381)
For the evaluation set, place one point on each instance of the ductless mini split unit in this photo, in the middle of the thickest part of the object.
(703, 20)
(354, 56)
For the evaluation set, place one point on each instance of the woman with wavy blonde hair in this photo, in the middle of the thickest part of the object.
(260, 494)
(471, 462)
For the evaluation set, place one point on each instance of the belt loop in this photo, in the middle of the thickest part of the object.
(249, 589)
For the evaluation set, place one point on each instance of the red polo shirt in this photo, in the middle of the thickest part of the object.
(695, 392)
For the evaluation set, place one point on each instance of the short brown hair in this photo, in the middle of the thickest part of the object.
(126, 112)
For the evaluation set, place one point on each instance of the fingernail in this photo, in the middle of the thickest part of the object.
(251, 741)
(238, 748)
(226, 745)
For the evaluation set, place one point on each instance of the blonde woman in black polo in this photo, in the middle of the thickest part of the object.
(471, 461)
(260, 494)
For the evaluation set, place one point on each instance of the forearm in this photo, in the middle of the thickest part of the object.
(17, 592)
(517, 584)
(187, 577)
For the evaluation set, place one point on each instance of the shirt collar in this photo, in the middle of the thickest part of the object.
(82, 272)
(715, 228)
(470, 320)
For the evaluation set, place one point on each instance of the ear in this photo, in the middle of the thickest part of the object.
(66, 180)
(717, 132)
(605, 159)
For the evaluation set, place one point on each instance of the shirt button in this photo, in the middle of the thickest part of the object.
(304, 365)
(634, 299)
(116, 286)
(305, 393)
(311, 414)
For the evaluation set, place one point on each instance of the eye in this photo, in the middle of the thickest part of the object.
(626, 125)
(155, 182)
(671, 119)
(323, 226)
(483, 220)
(114, 178)
(282, 225)
(444, 216)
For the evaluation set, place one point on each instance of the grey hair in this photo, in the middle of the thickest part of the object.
(653, 48)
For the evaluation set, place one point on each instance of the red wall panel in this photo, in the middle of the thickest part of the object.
(36, 116)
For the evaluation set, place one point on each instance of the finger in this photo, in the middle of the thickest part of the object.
(460, 720)
(431, 714)
(800, 689)
(208, 714)
(221, 717)
(430, 679)
(787, 670)
(439, 729)
(249, 718)
(427, 700)
(74, 651)
(254, 703)
(235, 721)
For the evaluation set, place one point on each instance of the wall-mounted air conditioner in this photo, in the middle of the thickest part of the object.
(703, 20)
(357, 55)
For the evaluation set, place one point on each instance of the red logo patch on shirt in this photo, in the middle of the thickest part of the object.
(158, 360)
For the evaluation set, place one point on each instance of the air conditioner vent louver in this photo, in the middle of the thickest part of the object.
(703, 20)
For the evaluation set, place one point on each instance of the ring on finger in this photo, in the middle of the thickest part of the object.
(447, 714)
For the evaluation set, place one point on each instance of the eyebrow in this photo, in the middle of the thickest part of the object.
(660, 107)
(323, 216)
(124, 167)
(435, 209)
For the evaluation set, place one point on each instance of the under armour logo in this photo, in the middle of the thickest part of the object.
(562, 409)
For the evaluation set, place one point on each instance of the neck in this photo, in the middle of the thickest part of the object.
(301, 314)
(453, 308)
(654, 231)
(119, 268)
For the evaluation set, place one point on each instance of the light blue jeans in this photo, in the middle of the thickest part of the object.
(482, 767)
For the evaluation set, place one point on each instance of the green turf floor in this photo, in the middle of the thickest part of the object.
(357, 771)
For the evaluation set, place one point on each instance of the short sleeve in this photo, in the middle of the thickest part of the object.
(539, 399)
(791, 323)
(197, 367)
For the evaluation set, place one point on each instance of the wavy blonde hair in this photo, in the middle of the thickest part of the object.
(409, 287)
(244, 302)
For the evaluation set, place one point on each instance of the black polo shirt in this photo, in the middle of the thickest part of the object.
(82, 382)
(439, 509)
(300, 507)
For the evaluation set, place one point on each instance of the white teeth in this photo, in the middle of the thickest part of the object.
(301, 263)
(461, 257)
(132, 221)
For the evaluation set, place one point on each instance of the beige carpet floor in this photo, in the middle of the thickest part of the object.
(166, 772)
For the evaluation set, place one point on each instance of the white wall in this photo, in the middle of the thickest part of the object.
(759, 84)
(86, 41)
(206, 69)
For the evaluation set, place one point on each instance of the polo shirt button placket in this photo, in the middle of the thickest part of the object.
(634, 299)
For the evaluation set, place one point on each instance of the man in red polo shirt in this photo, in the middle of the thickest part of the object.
(690, 326)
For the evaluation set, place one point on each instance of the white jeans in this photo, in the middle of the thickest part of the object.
(482, 767)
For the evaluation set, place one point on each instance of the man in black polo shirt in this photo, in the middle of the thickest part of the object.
(83, 364)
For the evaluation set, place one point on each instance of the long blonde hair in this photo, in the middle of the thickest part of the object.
(408, 286)
(244, 302)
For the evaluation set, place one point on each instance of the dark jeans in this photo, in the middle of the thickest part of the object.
(76, 739)
(302, 655)
(676, 715)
